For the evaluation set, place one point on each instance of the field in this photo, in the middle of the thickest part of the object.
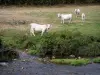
(19, 18)
(81, 39)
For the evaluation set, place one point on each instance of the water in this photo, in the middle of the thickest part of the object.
(28, 65)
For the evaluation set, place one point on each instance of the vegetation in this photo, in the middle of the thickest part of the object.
(45, 2)
(33, 52)
(96, 60)
(73, 62)
(6, 53)
(58, 44)
(62, 40)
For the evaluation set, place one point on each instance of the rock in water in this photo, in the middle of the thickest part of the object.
(3, 64)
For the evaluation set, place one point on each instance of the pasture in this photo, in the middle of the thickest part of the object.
(18, 18)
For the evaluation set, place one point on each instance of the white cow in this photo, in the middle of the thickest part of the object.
(38, 27)
(77, 12)
(83, 17)
(64, 17)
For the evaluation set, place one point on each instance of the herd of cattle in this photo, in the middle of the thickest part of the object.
(68, 17)
(44, 27)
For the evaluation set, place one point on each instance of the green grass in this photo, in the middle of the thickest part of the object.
(73, 62)
(90, 27)
(44, 15)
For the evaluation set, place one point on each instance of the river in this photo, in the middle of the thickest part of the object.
(28, 65)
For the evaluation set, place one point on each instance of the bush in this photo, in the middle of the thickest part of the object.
(47, 44)
(7, 53)
(96, 60)
(59, 44)
(65, 43)
(31, 42)
(33, 52)
(13, 38)
(90, 50)
(77, 43)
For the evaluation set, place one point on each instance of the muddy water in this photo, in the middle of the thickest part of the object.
(28, 65)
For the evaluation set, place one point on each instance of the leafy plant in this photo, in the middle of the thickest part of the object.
(96, 60)
(33, 52)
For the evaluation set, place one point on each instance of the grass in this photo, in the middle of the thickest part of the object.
(20, 17)
(73, 62)
(76, 62)
(17, 19)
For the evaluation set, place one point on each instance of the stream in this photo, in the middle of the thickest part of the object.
(28, 65)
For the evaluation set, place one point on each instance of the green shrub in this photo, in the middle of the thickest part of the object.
(19, 39)
(47, 44)
(33, 52)
(9, 42)
(7, 53)
(13, 38)
(96, 60)
(91, 50)
(79, 42)
(30, 42)
(55, 44)
(59, 44)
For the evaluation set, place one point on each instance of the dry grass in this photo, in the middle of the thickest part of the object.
(19, 27)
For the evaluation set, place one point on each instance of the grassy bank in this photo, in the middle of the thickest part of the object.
(73, 62)
(76, 62)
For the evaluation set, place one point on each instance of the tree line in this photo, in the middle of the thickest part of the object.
(46, 2)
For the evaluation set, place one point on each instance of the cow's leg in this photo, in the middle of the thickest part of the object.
(69, 20)
(63, 21)
(42, 32)
(32, 31)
